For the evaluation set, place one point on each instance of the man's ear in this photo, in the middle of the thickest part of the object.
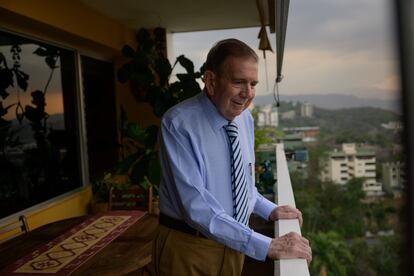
(210, 82)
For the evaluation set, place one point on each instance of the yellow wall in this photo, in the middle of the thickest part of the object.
(63, 18)
(139, 112)
(72, 24)
(69, 206)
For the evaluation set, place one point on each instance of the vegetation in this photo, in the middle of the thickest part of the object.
(149, 71)
(359, 125)
(266, 135)
(336, 221)
(337, 218)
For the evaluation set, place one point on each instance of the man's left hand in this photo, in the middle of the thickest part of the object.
(286, 212)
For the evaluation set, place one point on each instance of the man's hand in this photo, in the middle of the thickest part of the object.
(290, 246)
(286, 212)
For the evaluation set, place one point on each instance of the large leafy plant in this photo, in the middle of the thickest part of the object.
(149, 73)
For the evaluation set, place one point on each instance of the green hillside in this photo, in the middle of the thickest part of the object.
(361, 125)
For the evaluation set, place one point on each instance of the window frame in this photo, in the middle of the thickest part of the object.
(80, 125)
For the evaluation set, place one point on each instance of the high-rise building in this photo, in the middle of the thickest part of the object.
(306, 110)
(340, 166)
(393, 177)
(267, 115)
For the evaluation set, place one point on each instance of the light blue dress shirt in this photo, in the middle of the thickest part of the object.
(196, 175)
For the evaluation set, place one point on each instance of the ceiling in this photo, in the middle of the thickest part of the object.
(180, 15)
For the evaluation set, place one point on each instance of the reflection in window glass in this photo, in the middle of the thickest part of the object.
(38, 143)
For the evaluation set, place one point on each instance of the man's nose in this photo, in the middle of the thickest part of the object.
(247, 90)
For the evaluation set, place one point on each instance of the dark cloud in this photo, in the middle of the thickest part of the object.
(352, 25)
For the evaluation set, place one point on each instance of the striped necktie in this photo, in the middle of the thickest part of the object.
(238, 176)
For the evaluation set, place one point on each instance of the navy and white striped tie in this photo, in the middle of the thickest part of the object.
(238, 175)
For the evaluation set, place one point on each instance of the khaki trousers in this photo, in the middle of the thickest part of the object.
(181, 254)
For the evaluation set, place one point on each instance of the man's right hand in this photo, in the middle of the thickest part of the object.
(290, 246)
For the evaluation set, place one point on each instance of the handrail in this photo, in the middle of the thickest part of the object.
(284, 196)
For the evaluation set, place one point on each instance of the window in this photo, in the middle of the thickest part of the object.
(39, 148)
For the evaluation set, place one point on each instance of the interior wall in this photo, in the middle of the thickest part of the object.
(71, 24)
(66, 18)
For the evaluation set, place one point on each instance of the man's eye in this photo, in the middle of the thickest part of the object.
(253, 84)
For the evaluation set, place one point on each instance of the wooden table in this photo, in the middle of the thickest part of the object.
(123, 255)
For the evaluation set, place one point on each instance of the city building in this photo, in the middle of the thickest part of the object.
(309, 133)
(288, 115)
(267, 115)
(306, 110)
(339, 166)
(393, 177)
(393, 125)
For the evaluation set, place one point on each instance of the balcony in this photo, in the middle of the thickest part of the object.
(284, 196)
(32, 20)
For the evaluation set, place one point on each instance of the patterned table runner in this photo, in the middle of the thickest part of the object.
(71, 249)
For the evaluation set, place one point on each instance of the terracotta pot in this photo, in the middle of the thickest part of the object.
(98, 207)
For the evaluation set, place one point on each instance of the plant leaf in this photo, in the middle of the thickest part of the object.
(41, 52)
(135, 132)
(125, 72)
(151, 135)
(124, 165)
(128, 51)
(163, 68)
(154, 170)
(51, 62)
(186, 63)
(22, 79)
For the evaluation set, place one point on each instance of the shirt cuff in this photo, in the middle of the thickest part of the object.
(258, 246)
(264, 207)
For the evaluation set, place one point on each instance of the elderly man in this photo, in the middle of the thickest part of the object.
(208, 190)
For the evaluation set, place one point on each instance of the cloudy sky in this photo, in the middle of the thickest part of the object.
(341, 46)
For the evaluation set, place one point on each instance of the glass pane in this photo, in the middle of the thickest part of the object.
(39, 145)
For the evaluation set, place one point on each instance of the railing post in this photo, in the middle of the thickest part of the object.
(284, 196)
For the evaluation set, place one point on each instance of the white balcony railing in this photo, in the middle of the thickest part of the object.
(284, 196)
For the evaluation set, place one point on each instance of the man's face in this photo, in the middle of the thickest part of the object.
(233, 89)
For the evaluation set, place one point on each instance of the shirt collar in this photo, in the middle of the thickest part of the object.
(217, 121)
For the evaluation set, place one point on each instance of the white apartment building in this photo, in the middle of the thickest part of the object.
(306, 110)
(341, 166)
(309, 133)
(393, 125)
(291, 114)
(393, 177)
(267, 115)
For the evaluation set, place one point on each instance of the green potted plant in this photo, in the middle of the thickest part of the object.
(101, 190)
(149, 72)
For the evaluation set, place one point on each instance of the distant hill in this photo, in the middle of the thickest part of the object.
(347, 125)
(332, 101)
(25, 132)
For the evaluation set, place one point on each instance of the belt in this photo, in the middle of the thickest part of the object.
(179, 225)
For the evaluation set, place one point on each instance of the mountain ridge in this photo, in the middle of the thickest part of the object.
(332, 101)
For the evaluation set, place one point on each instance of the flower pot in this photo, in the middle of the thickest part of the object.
(98, 207)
